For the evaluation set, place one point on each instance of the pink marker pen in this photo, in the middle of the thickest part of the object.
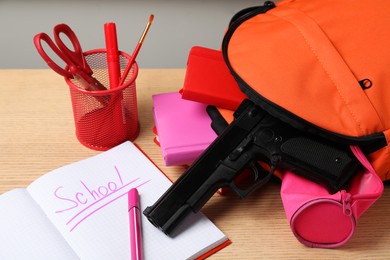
(135, 225)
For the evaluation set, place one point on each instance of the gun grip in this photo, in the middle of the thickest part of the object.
(329, 165)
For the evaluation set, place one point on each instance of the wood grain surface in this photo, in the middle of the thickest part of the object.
(37, 135)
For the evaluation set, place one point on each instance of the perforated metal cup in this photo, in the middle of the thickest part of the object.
(105, 118)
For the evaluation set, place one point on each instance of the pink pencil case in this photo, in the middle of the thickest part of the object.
(320, 219)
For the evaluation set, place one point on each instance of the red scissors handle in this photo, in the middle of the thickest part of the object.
(74, 59)
(76, 55)
(43, 37)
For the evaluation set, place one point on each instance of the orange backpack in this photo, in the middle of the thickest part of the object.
(321, 66)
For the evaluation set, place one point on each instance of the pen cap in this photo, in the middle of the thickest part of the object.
(111, 44)
(110, 35)
(133, 199)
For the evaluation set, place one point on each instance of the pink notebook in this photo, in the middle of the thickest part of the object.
(183, 128)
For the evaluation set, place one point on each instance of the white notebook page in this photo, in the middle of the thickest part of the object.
(25, 231)
(87, 203)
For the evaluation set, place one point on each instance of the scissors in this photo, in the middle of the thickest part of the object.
(77, 67)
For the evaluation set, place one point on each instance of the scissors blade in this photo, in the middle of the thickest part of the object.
(104, 100)
(92, 82)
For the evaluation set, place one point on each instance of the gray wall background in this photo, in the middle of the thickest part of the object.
(177, 26)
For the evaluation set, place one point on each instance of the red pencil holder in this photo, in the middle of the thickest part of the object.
(105, 118)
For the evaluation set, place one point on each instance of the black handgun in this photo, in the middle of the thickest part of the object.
(254, 135)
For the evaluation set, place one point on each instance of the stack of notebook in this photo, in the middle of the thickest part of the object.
(182, 124)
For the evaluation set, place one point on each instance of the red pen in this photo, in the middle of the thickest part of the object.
(114, 70)
(135, 225)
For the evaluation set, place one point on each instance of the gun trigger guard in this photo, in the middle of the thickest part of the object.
(258, 182)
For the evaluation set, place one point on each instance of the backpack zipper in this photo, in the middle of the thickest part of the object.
(251, 10)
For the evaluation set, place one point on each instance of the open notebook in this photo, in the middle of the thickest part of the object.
(79, 211)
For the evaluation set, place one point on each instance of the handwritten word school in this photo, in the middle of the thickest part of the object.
(87, 197)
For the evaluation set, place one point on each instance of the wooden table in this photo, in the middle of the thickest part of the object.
(37, 135)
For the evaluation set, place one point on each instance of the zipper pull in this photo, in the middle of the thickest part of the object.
(269, 3)
(346, 199)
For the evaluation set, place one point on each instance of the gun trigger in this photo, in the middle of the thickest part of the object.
(259, 181)
(240, 149)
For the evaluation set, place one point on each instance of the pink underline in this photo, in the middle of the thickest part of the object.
(101, 200)
(105, 205)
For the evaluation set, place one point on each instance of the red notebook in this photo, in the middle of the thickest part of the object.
(208, 80)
